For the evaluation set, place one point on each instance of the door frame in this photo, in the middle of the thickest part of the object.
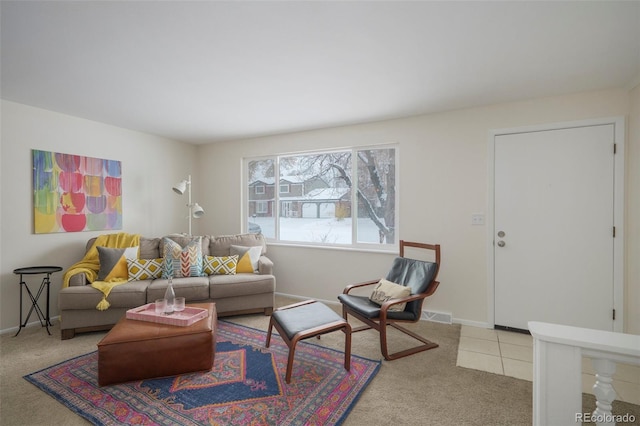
(618, 209)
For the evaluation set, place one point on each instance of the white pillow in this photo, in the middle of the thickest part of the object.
(386, 290)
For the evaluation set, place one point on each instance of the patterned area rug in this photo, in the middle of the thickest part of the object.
(245, 387)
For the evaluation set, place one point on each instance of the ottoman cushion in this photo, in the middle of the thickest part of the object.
(304, 318)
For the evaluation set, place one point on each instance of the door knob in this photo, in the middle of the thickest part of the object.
(501, 243)
(501, 234)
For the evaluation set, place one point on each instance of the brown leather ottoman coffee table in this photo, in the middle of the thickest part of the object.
(137, 350)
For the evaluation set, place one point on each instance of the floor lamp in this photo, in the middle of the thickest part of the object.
(194, 210)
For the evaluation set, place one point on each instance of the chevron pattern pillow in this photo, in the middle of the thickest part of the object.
(182, 261)
(144, 269)
(225, 265)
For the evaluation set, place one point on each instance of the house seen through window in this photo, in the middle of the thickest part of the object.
(338, 198)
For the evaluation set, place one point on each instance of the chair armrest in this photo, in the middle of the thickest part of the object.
(386, 305)
(265, 266)
(430, 290)
(348, 288)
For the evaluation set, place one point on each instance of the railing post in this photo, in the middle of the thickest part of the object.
(603, 390)
(557, 383)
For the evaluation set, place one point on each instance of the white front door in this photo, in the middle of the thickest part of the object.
(553, 227)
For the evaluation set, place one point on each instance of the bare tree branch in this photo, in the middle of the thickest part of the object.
(362, 199)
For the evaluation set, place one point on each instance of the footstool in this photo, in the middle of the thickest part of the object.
(307, 319)
(137, 350)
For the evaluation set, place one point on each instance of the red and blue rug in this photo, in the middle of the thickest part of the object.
(245, 387)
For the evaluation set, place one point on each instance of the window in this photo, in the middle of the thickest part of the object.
(336, 198)
(259, 189)
(262, 207)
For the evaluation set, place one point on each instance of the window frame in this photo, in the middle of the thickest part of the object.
(355, 244)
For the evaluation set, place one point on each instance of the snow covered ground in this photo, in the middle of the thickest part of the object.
(323, 230)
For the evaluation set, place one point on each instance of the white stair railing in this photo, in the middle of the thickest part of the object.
(557, 372)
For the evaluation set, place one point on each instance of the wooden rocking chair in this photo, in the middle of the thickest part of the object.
(420, 277)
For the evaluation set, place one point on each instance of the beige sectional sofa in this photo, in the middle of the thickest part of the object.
(241, 293)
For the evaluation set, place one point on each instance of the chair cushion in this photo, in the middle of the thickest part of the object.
(415, 274)
(368, 309)
(305, 317)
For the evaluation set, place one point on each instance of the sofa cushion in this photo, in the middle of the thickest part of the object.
(239, 285)
(150, 248)
(191, 288)
(221, 245)
(182, 260)
(127, 295)
(183, 240)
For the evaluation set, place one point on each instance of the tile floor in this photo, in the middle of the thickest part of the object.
(511, 354)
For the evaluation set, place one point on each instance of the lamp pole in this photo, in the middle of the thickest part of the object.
(189, 204)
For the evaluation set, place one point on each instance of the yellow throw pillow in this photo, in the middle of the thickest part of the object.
(225, 265)
(386, 290)
(144, 269)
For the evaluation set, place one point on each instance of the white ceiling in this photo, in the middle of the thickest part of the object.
(208, 71)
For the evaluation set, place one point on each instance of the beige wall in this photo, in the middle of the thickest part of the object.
(443, 181)
(150, 166)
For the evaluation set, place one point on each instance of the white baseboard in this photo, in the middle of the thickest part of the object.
(295, 296)
(471, 323)
(423, 318)
(436, 316)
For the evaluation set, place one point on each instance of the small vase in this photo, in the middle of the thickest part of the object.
(170, 296)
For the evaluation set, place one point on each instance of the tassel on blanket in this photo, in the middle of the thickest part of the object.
(103, 305)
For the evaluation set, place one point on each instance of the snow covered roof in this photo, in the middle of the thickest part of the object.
(320, 194)
(271, 180)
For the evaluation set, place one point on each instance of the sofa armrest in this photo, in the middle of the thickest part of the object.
(78, 280)
(265, 266)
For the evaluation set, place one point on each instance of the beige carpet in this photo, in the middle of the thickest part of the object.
(423, 389)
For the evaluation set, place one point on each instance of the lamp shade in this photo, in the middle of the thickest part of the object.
(180, 187)
(197, 211)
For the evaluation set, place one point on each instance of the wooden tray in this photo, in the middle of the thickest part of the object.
(147, 312)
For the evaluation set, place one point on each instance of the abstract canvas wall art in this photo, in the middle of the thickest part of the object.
(72, 193)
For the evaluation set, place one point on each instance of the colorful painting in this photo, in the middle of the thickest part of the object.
(72, 193)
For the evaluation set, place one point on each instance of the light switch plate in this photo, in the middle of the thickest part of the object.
(477, 219)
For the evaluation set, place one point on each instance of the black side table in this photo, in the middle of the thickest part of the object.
(45, 320)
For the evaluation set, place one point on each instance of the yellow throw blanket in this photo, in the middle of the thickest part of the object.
(90, 264)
